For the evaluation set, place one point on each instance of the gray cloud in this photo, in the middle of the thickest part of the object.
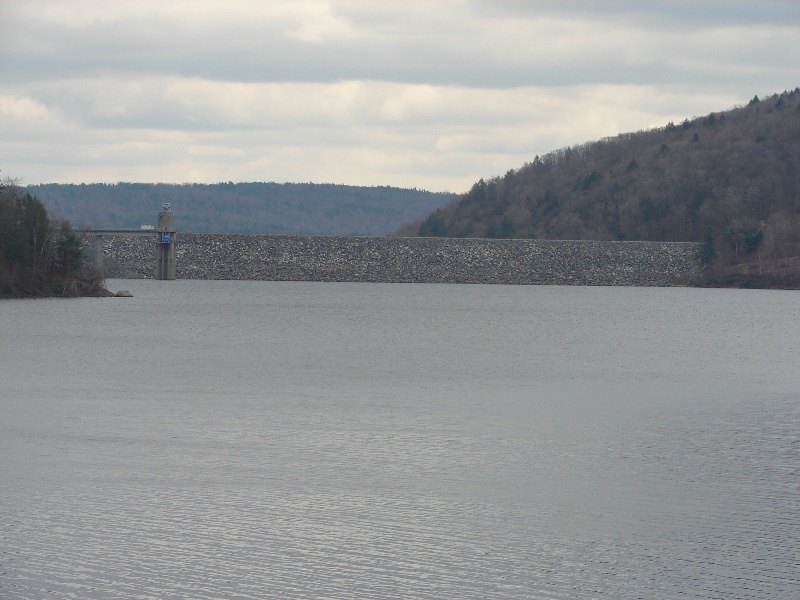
(679, 13)
(514, 44)
(364, 92)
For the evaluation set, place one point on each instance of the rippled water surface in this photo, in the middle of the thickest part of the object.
(295, 440)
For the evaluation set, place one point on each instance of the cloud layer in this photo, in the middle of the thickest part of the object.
(415, 94)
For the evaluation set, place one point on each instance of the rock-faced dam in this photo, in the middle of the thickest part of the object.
(409, 260)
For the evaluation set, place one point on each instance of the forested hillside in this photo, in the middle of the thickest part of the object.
(39, 256)
(729, 179)
(242, 207)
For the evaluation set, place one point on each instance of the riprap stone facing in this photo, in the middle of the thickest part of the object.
(411, 260)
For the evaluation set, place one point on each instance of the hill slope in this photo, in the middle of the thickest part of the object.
(730, 179)
(242, 207)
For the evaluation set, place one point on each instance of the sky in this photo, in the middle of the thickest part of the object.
(429, 94)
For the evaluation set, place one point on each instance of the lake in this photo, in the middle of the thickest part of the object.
(223, 439)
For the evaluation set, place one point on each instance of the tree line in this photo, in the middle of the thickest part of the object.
(254, 207)
(39, 256)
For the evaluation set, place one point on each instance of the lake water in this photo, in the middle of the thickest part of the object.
(309, 440)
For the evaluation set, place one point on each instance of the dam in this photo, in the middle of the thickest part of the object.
(410, 260)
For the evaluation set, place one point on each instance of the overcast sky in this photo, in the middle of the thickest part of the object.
(430, 94)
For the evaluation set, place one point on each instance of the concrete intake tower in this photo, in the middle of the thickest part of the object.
(165, 243)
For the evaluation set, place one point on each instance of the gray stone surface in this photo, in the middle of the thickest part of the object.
(412, 260)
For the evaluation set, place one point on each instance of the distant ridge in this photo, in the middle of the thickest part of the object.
(242, 207)
(730, 179)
